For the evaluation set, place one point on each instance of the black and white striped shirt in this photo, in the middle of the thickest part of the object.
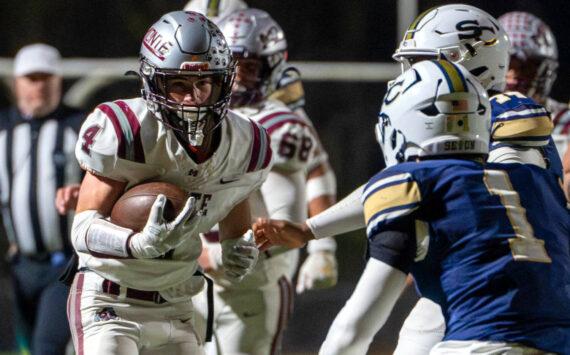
(37, 157)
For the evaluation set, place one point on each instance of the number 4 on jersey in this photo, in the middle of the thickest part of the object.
(88, 138)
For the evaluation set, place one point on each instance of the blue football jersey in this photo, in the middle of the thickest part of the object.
(490, 244)
(518, 120)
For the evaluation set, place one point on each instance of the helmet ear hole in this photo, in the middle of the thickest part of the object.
(478, 71)
(431, 110)
(394, 139)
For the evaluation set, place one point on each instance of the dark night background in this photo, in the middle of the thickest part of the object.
(343, 112)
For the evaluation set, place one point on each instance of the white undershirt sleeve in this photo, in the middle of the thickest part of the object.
(366, 310)
(343, 217)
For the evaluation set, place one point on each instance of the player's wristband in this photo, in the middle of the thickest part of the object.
(105, 239)
(321, 185)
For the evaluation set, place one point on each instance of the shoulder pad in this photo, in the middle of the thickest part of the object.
(388, 195)
(290, 88)
(261, 152)
(246, 131)
(293, 140)
(111, 132)
(519, 120)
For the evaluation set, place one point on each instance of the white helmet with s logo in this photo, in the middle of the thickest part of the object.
(461, 34)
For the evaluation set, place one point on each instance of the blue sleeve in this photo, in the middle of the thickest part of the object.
(396, 246)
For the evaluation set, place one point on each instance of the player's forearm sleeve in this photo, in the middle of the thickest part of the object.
(94, 235)
(81, 223)
(366, 310)
(343, 217)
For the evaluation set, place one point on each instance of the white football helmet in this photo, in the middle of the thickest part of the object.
(253, 34)
(186, 46)
(435, 108)
(532, 41)
(215, 9)
(461, 34)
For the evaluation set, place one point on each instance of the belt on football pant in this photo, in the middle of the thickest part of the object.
(113, 288)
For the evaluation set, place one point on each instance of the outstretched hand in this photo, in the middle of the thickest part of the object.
(66, 198)
(272, 232)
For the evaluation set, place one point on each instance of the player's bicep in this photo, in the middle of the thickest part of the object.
(99, 193)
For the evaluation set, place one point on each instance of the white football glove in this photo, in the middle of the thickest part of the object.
(160, 236)
(320, 269)
(239, 256)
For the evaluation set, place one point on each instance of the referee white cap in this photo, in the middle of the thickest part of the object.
(37, 58)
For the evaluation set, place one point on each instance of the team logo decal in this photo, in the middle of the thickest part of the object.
(105, 314)
(272, 36)
(156, 44)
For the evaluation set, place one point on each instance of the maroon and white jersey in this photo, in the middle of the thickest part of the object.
(124, 141)
(294, 141)
(295, 145)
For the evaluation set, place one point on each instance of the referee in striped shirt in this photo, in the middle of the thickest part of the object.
(37, 140)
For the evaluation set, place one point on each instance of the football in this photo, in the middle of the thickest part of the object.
(133, 208)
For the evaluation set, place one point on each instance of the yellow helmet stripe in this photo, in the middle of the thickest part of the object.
(454, 77)
(412, 30)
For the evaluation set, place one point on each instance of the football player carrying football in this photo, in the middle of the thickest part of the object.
(251, 316)
(133, 291)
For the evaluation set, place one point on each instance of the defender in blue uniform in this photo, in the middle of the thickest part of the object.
(495, 262)
(475, 236)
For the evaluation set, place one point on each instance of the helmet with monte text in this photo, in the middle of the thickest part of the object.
(187, 72)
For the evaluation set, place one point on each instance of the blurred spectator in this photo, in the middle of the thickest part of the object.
(37, 141)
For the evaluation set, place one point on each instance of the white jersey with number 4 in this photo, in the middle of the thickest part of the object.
(124, 141)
